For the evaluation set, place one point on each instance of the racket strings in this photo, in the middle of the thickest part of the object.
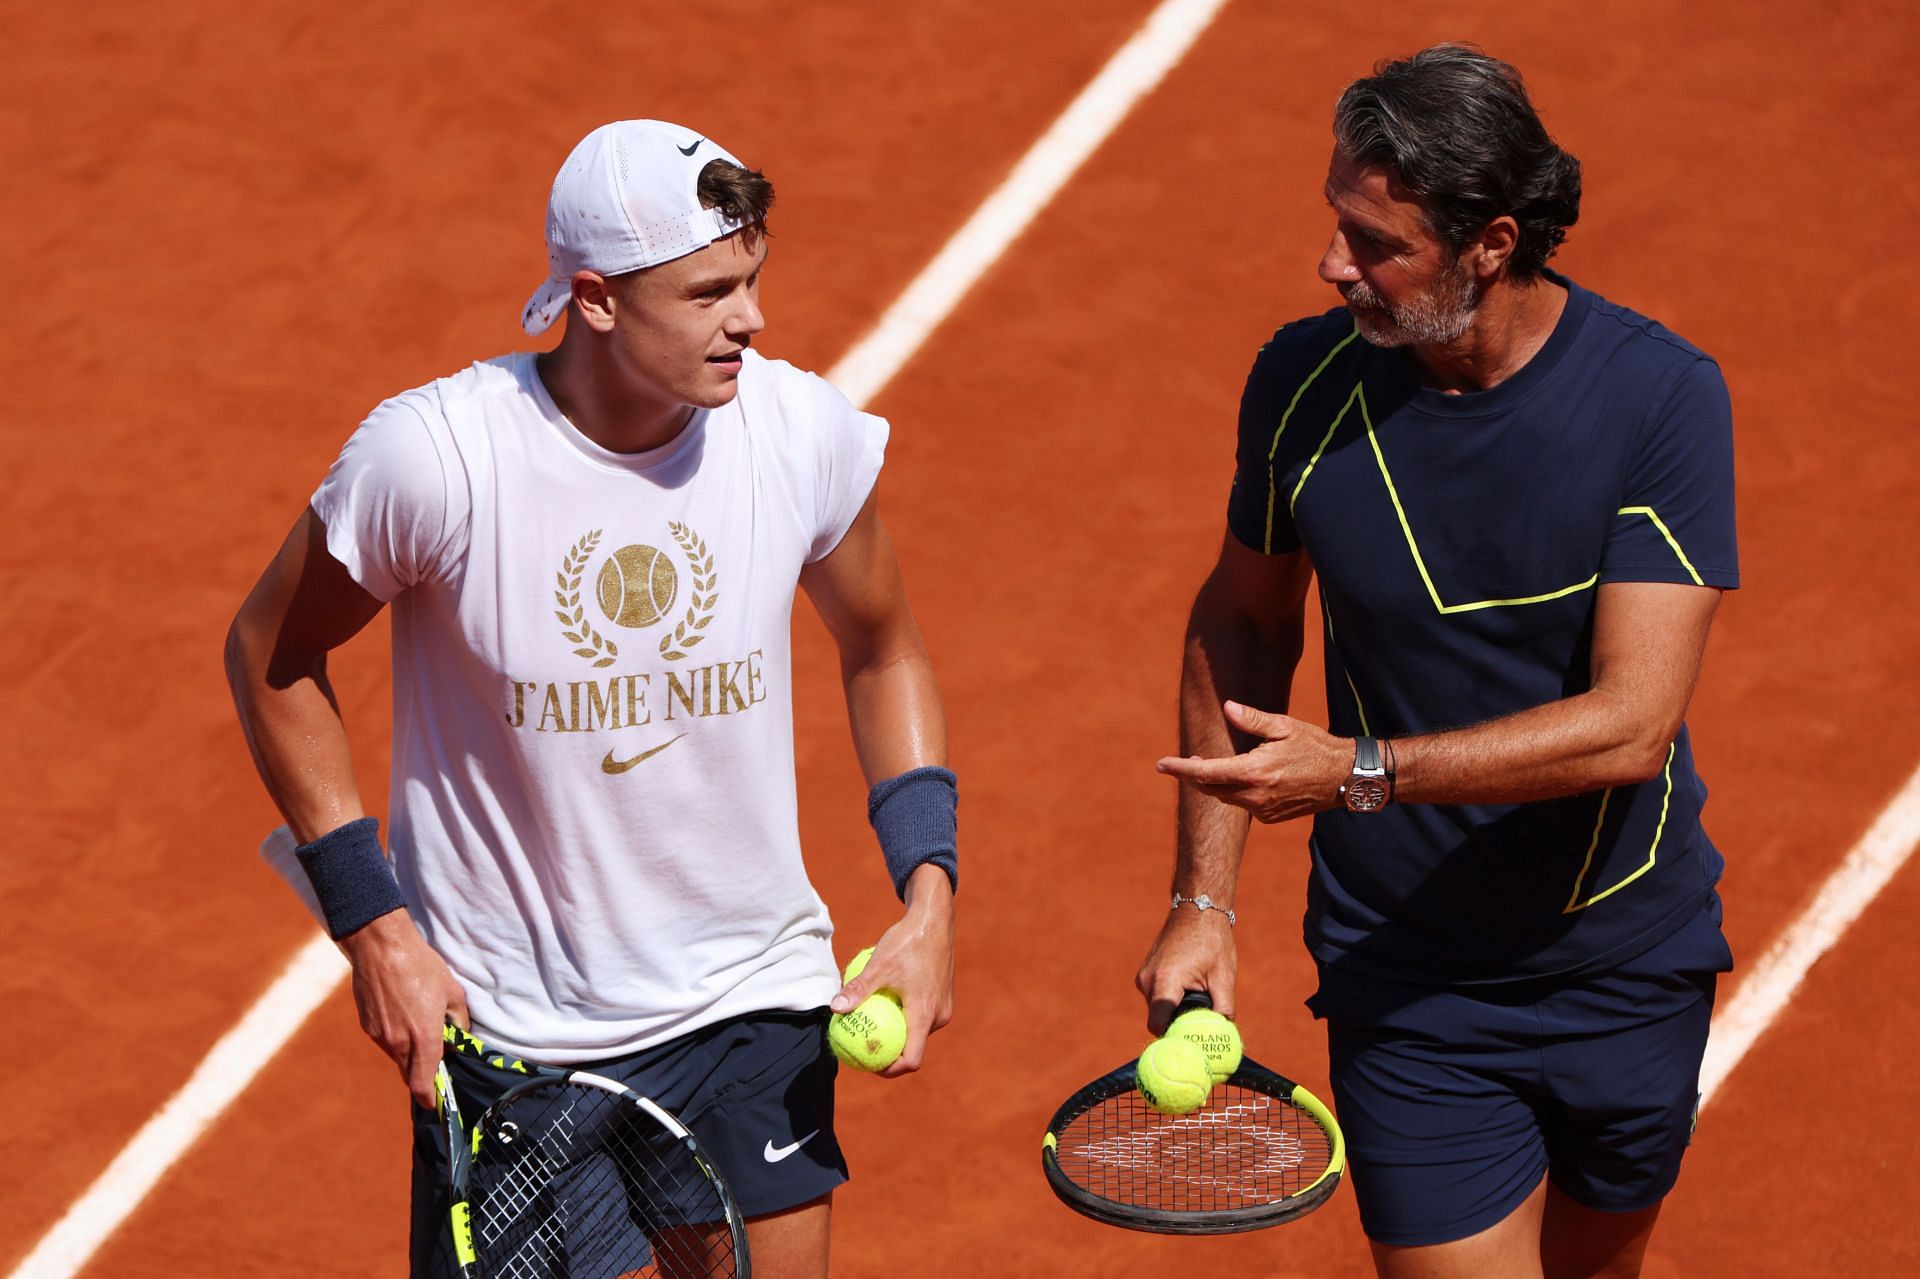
(577, 1182)
(1241, 1150)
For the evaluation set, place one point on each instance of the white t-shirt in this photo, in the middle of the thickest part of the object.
(593, 815)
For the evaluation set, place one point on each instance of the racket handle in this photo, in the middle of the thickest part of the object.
(1193, 999)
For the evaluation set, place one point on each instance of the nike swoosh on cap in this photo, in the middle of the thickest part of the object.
(691, 147)
(774, 1154)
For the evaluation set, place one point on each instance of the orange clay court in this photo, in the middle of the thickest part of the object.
(231, 230)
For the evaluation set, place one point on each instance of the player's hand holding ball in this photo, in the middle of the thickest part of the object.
(872, 1035)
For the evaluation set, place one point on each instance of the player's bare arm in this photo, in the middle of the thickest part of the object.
(1244, 638)
(304, 606)
(1649, 640)
(899, 724)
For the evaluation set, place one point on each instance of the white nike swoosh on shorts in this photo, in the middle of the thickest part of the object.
(774, 1154)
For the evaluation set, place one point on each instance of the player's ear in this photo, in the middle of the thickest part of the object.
(1488, 254)
(594, 299)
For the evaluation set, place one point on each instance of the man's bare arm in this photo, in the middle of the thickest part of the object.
(899, 724)
(305, 605)
(1244, 638)
(893, 701)
(1648, 644)
(1649, 640)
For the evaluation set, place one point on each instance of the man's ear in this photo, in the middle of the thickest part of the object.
(594, 300)
(1490, 251)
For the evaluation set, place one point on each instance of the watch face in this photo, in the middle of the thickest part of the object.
(1366, 795)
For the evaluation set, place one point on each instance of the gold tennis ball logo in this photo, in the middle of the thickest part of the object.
(637, 586)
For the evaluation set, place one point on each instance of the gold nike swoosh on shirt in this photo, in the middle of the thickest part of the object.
(614, 767)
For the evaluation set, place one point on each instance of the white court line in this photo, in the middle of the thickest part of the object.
(1774, 980)
(1133, 72)
(240, 1055)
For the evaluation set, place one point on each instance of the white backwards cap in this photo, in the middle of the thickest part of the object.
(626, 198)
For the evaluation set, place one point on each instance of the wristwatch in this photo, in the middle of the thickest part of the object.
(1368, 788)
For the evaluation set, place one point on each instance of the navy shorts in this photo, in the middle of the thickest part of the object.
(756, 1090)
(1456, 1101)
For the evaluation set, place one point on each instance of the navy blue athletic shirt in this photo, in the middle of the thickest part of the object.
(1459, 541)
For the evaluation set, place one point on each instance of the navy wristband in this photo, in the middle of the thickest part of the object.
(350, 876)
(914, 816)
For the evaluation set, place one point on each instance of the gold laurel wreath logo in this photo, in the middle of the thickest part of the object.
(572, 614)
(700, 607)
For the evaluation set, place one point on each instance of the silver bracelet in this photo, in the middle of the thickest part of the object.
(1202, 902)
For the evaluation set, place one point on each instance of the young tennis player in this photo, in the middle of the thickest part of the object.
(1517, 497)
(591, 556)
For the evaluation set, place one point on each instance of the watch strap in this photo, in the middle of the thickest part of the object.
(1367, 789)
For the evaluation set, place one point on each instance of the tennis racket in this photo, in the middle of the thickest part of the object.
(571, 1175)
(1263, 1150)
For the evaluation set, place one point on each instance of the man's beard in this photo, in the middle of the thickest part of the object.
(1440, 315)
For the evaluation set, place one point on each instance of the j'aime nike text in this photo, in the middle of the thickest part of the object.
(621, 701)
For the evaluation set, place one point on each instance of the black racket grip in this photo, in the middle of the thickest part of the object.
(1193, 999)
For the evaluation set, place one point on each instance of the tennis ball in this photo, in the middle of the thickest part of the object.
(871, 1036)
(1214, 1035)
(858, 965)
(637, 585)
(1173, 1076)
